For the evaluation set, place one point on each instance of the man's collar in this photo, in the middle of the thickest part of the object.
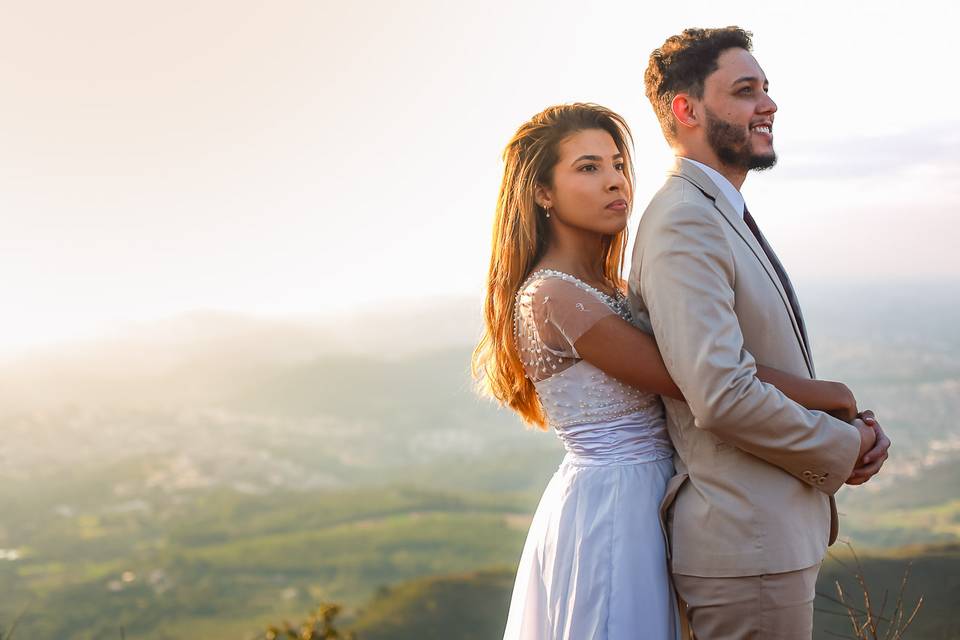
(720, 184)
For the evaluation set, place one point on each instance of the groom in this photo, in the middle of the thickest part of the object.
(750, 512)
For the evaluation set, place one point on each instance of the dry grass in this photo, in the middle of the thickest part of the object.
(6, 635)
(868, 622)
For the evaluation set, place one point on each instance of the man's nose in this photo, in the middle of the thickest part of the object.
(767, 105)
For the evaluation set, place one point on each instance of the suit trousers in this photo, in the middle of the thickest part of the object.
(771, 606)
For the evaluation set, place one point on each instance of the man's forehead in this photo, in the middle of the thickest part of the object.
(734, 64)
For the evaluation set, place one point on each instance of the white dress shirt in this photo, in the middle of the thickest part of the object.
(726, 188)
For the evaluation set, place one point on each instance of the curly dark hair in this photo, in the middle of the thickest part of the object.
(682, 64)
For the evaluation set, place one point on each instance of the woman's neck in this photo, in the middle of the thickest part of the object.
(579, 254)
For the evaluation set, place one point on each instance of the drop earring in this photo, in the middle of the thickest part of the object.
(547, 211)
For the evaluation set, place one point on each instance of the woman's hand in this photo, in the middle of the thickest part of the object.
(844, 403)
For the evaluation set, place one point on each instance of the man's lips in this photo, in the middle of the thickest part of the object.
(618, 205)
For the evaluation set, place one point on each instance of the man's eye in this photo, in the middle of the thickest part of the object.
(746, 90)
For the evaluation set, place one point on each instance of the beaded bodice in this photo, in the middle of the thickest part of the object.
(553, 309)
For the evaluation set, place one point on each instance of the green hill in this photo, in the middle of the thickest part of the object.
(217, 564)
(469, 606)
(474, 606)
(920, 509)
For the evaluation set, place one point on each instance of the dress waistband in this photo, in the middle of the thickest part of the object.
(580, 460)
(629, 439)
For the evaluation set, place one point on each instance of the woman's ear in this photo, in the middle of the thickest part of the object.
(541, 195)
(683, 110)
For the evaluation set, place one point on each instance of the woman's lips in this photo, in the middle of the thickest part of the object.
(618, 205)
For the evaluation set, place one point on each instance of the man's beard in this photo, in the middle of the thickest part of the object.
(732, 145)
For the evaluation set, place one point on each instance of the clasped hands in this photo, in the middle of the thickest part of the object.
(874, 443)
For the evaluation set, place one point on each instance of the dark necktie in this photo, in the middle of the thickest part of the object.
(784, 281)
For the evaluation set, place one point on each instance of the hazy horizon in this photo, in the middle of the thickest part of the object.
(813, 293)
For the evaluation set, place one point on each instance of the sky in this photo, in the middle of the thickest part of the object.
(311, 157)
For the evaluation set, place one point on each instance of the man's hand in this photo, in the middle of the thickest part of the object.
(868, 437)
(871, 461)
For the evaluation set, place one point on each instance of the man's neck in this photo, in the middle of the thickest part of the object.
(735, 176)
(730, 192)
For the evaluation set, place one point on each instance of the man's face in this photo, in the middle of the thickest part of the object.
(738, 112)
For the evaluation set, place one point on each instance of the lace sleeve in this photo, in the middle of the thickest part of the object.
(552, 314)
(564, 312)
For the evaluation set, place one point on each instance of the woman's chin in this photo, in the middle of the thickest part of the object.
(617, 225)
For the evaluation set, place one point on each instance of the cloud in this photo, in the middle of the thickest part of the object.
(931, 151)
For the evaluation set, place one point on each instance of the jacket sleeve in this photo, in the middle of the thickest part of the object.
(686, 280)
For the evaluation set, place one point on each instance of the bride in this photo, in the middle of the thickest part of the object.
(559, 349)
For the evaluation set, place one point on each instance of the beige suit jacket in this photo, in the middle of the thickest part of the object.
(756, 472)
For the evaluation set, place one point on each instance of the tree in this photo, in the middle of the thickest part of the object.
(319, 626)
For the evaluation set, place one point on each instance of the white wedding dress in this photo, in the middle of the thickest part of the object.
(594, 565)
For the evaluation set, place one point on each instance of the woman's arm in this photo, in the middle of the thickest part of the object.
(834, 398)
(621, 350)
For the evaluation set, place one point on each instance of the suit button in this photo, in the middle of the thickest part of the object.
(820, 480)
(807, 475)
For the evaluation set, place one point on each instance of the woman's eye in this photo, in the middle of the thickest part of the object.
(620, 166)
(588, 167)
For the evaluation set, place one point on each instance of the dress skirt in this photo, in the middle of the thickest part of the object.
(594, 564)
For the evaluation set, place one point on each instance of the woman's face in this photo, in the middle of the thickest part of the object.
(590, 189)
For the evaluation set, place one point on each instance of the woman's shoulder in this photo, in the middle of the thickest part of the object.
(540, 277)
(545, 282)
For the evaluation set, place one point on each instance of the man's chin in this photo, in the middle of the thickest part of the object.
(762, 162)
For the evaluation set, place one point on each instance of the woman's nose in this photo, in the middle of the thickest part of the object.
(617, 182)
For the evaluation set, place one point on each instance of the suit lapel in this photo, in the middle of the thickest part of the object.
(691, 173)
(799, 325)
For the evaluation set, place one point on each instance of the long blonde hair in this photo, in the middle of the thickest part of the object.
(520, 238)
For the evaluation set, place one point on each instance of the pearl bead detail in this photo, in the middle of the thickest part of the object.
(571, 390)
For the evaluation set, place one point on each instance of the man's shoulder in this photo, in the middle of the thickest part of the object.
(678, 200)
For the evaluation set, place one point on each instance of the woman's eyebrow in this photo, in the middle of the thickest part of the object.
(592, 158)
